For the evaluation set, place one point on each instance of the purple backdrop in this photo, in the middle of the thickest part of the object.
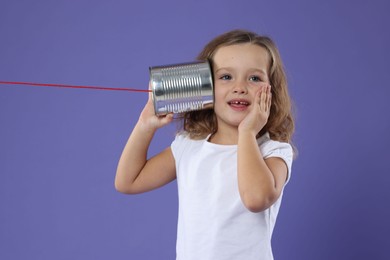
(59, 147)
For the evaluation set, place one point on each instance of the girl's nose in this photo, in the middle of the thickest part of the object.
(240, 88)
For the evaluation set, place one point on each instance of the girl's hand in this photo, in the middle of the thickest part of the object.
(257, 118)
(148, 119)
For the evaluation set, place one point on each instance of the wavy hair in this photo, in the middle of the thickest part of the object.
(280, 124)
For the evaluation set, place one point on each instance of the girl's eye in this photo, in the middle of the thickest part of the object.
(225, 77)
(255, 78)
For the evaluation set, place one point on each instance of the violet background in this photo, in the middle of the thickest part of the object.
(59, 147)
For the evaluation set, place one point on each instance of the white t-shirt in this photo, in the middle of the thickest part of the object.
(213, 223)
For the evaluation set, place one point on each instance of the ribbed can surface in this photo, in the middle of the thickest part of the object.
(182, 87)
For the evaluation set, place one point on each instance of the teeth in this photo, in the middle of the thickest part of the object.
(239, 103)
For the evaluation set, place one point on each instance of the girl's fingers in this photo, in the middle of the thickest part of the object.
(268, 99)
(150, 88)
(263, 99)
(167, 119)
(257, 99)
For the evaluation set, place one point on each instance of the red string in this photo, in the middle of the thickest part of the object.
(72, 86)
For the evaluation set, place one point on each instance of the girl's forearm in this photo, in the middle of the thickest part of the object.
(255, 180)
(133, 158)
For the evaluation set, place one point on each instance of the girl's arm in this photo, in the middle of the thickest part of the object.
(260, 181)
(135, 173)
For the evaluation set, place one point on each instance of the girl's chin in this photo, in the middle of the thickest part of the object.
(231, 118)
(231, 122)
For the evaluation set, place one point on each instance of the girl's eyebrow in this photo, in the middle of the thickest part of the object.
(219, 69)
(261, 71)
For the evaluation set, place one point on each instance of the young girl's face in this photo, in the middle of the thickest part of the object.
(239, 72)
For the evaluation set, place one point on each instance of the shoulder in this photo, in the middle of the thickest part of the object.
(183, 142)
(180, 138)
(272, 148)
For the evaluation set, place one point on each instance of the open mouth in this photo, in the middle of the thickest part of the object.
(238, 103)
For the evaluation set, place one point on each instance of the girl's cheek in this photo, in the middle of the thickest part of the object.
(258, 85)
(256, 88)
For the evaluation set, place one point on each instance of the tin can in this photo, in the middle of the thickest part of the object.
(182, 87)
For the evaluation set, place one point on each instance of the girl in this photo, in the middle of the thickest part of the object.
(231, 162)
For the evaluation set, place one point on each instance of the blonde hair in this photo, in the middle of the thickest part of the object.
(280, 124)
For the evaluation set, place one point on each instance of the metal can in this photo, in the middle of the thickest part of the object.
(182, 87)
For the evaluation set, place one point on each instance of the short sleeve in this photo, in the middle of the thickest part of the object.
(271, 148)
(178, 145)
